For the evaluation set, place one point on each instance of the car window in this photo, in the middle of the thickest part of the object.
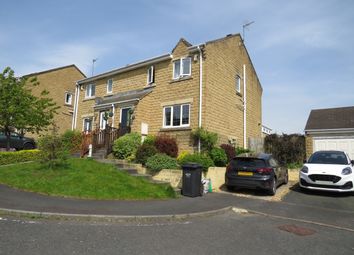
(273, 162)
(248, 162)
(326, 157)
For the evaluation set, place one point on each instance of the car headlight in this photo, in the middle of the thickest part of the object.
(305, 169)
(346, 171)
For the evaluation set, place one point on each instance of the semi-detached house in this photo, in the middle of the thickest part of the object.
(212, 85)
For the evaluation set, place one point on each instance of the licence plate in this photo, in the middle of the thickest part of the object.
(324, 182)
(245, 173)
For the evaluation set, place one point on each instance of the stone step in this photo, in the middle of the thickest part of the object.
(130, 171)
(145, 176)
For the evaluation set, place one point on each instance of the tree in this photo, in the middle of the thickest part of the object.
(20, 109)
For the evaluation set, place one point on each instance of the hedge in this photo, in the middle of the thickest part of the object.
(12, 157)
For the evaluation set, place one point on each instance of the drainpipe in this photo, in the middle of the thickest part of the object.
(114, 113)
(200, 91)
(244, 108)
(76, 104)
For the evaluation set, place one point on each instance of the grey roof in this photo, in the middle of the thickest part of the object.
(132, 95)
(333, 118)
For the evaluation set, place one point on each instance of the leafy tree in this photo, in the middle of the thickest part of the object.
(20, 109)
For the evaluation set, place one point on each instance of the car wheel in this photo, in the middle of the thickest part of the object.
(229, 188)
(286, 179)
(28, 146)
(273, 187)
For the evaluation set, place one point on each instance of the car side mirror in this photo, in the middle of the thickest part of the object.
(352, 162)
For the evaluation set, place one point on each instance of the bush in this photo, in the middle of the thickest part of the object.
(12, 157)
(286, 149)
(182, 155)
(144, 152)
(240, 150)
(219, 157)
(53, 150)
(229, 150)
(72, 140)
(204, 160)
(161, 161)
(167, 145)
(150, 139)
(207, 139)
(126, 145)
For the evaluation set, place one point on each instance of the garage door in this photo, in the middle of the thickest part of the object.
(346, 145)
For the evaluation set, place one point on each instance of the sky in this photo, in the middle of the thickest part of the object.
(302, 50)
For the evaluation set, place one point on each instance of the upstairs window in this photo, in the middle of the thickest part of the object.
(151, 75)
(68, 98)
(176, 116)
(238, 84)
(109, 86)
(90, 90)
(182, 67)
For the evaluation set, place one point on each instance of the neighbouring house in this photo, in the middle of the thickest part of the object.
(330, 129)
(266, 131)
(60, 83)
(212, 85)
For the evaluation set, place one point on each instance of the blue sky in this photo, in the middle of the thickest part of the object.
(303, 51)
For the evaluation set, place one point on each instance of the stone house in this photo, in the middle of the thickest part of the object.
(172, 94)
(60, 83)
(330, 129)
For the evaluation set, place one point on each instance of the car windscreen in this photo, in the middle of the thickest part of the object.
(248, 162)
(337, 158)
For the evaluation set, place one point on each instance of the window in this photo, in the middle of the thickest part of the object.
(151, 75)
(103, 121)
(238, 83)
(109, 86)
(90, 90)
(88, 125)
(68, 98)
(182, 67)
(176, 115)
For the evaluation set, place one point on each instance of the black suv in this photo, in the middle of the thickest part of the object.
(17, 141)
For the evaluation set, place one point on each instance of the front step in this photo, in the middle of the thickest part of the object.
(145, 176)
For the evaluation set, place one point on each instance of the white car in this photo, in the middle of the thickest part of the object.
(329, 171)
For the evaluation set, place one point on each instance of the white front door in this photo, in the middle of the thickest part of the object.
(340, 144)
(103, 122)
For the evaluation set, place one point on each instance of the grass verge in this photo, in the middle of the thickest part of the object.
(83, 178)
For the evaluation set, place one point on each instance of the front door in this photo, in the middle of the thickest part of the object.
(124, 121)
(103, 122)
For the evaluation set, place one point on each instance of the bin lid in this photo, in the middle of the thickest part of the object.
(191, 166)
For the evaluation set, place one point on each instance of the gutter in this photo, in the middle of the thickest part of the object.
(335, 130)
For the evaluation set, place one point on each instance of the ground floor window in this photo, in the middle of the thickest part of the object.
(176, 115)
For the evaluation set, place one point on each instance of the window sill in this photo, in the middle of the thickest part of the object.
(70, 105)
(175, 129)
(239, 94)
(89, 98)
(152, 85)
(181, 79)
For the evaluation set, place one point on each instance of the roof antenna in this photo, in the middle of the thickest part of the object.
(93, 64)
(243, 29)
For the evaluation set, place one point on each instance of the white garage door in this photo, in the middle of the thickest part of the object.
(343, 144)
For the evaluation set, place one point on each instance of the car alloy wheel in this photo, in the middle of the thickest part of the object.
(273, 187)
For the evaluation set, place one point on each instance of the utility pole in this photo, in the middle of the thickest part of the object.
(93, 64)
(243, 29)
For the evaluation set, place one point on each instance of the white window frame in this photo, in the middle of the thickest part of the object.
(150, 75)
(89, 89)
(83, 124)
(71, 98)
(181, 74)
(109, 82)
(181, 115)
(238, 83)
(103, 122)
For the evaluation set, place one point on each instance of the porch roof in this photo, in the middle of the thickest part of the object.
(122, 97)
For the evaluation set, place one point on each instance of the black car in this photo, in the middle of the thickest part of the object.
(258, 171)
(17, 141)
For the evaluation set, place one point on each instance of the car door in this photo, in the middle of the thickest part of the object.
(277, 170)
(16, 141)
(2, 140)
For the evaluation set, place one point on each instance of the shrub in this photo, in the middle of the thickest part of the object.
(126, 145)
(182, 155)
(204, 160)
(167, 145)
(150, 139)
(12, 157)
(240, 150)
(207, 139)
(229, 150)
(161, 161)
(144, 152)
(72, 140)
(53, 151)
(219, 157)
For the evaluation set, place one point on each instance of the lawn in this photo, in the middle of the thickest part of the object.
(82, 178)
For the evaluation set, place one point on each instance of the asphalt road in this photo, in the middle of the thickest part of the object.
(229, 233)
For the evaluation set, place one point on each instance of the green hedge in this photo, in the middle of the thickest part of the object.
(161, 161)
(12, 157)
(204, 160)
